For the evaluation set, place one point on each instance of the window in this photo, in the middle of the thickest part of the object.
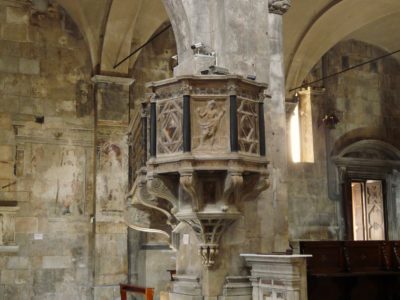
(301, 129)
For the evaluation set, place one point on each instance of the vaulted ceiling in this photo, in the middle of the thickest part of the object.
(113, 28)
(312, 27)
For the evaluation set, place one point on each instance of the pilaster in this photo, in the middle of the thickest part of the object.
(276, 135)
(111, 169)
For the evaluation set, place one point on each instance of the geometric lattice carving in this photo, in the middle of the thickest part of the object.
(375, 211)
(170, 131)
(248, 126)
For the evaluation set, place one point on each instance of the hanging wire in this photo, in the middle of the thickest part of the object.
(344, 70)
(142, 46)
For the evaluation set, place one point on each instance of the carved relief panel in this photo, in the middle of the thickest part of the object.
(210, 125)
(375, 210)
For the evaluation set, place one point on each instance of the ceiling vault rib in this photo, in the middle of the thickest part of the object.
(309, 26)
(103, 32)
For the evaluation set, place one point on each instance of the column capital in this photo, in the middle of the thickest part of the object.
(112, 79)
(278, 6)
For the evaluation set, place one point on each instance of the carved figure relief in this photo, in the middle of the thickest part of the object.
(248, 126)
(170, 120)
(209, 120)
(111, 187)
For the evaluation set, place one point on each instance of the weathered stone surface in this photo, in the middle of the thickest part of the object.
(29, 66)
(57, 262)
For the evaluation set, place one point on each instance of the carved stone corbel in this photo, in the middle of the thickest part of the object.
(209, 228)
(189, 183)
(161, 189)
(278, 6)
(146, 199)
(232, 186)
(255, 185)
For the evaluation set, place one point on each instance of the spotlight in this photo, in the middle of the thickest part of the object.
(251, 77)
(219, 70)
(197, 45)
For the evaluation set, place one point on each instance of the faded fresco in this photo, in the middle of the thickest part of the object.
(66, 178)
(111, 182)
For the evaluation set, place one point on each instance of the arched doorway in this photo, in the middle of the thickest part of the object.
(368, 176)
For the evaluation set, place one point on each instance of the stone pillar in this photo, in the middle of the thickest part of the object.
(278, 276)
(111, 248)
(276, 137)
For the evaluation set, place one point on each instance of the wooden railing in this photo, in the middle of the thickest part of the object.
(125, 288)
(347, 257)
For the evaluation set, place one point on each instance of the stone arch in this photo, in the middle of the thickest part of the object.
(370, 149)
(324, 32)
(180, 25)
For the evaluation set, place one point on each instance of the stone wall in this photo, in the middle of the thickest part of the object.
(46, 154)
(365, 101)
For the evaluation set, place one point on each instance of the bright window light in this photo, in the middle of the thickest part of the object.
(295, 135)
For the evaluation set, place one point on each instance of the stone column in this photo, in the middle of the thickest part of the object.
(278, 276)
(276, 137)
(111, 171)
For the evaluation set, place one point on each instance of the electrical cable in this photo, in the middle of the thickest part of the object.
(343, 71)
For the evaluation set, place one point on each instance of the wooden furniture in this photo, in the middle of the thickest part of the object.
(353, 269)
(147, 292)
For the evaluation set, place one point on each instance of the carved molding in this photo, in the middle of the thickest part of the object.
(279, 6)
(254, 186)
